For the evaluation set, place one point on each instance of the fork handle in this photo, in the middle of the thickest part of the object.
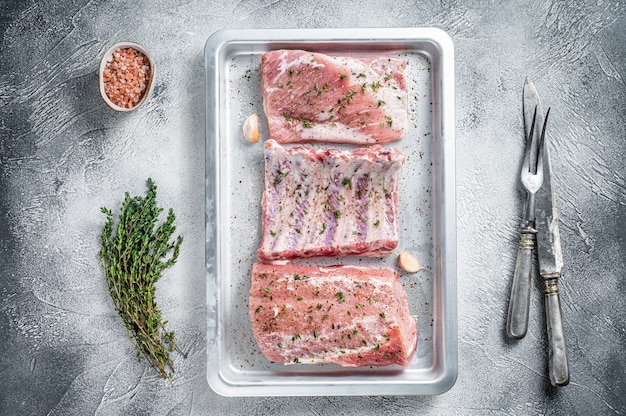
(558, 367)
(517, 319)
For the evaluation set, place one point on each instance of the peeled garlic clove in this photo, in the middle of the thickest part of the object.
(408, 263)
(251, 128)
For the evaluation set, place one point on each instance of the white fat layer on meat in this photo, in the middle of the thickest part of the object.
(347, 267)
(325, 130)
(389, 91)
(324, 116)
(369, 324)
(360, 72)
(394, 107)
(331, 131)
(322, 357)
(347, 281)
(285, 64)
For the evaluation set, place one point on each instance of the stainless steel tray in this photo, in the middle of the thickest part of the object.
(234, 183)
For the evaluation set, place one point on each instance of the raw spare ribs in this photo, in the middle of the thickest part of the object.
(329, 202)
(347, 315)
(311, 97)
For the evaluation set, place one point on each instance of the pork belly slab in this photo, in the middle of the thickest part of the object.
(311, 97)
(329, 202)
(347, 315)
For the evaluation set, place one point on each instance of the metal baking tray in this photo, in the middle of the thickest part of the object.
(234, 184)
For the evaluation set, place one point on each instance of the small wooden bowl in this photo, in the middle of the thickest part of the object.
(107, 58)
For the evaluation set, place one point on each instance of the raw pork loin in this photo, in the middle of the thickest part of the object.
(329, 202)
(352, 316)
(314, 97)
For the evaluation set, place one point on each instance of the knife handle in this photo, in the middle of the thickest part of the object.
(557, 363)
(517, 319)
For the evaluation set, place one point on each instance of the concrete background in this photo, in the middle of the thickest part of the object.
(63, 155)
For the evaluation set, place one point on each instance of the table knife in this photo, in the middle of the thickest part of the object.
(550, 258)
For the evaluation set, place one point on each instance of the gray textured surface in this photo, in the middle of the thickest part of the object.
(63, 155)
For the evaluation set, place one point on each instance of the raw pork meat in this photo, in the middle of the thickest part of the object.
(329, 202)
(352, 316)
(314, 97)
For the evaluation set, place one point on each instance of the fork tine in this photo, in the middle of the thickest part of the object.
(542, 139)
(529, 144)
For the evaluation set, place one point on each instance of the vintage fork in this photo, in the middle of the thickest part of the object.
(517, 319)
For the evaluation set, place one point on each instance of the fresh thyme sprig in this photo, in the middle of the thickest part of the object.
(134, 258)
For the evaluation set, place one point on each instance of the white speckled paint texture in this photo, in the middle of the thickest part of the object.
(63, 155)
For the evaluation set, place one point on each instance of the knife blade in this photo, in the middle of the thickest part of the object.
(549, 255)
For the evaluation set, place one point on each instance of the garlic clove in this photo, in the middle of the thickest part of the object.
(408, 263)
(251, 128)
